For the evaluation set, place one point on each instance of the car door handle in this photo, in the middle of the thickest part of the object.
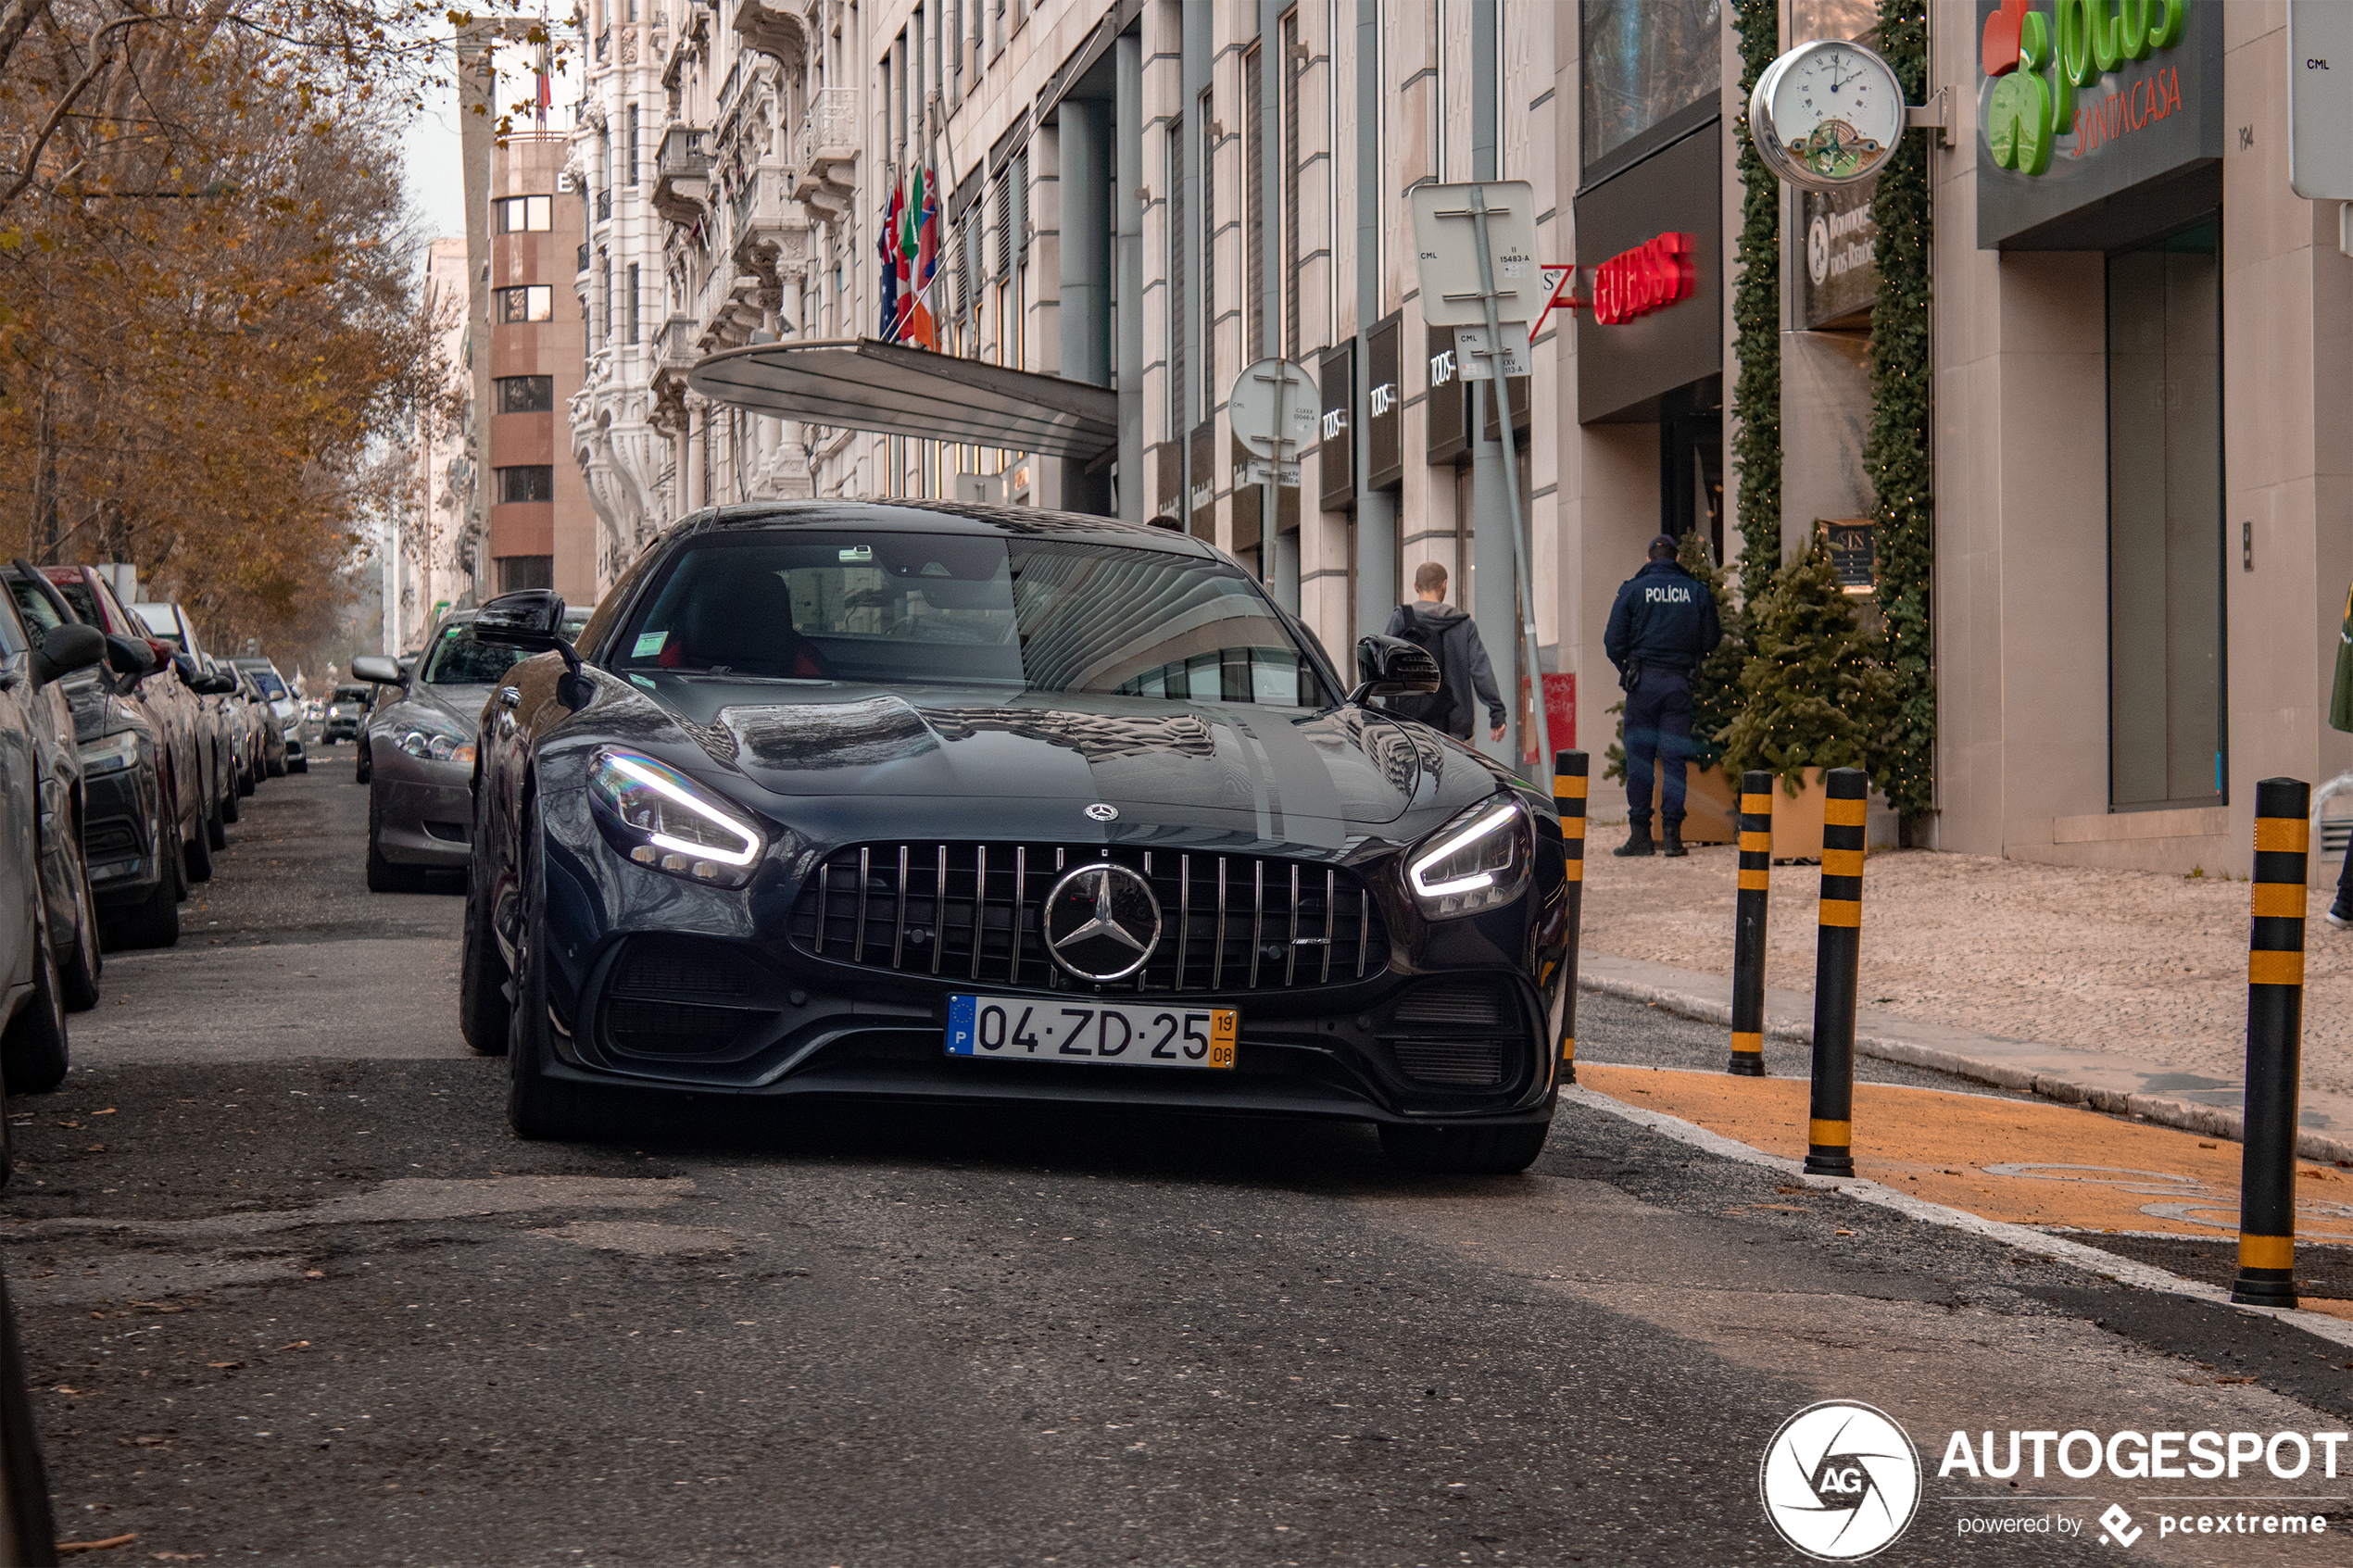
(509, 697)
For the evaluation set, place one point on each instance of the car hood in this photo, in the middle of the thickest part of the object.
(459, 707)
(811, 738)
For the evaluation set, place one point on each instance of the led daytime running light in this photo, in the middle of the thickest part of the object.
(638, 772)
(1494, 822)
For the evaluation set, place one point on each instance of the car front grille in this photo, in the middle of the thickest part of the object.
(683, 996)
(1452, 1031)
(1473, 1064)
(969, 912)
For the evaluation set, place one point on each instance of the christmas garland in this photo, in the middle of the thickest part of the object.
(1757, 320)
(1895, 454)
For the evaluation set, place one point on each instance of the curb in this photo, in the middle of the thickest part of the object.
(2214, 1122)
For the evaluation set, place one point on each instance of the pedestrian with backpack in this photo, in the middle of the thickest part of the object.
(1450, 638)
(1662, 625)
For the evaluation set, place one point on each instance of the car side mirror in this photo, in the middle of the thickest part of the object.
(532, 619)
(377, 670)
(1393, 667)
(217, 684)
(65, 650)
(127, 655)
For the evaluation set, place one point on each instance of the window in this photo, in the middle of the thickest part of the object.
(526, 394)
(1254, 209)
(1645, 60)
(1208, 259)
(1292, 67)
(2168, 726)
(629, 175)
(518, 573)
(1174, 185)
(518, 215)
(535, 302)
(633, 302)
(530, 482)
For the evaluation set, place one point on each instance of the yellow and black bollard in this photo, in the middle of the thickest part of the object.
(1829, 1128)
(2274, 1031)
(1569, 796)
(1748, 926)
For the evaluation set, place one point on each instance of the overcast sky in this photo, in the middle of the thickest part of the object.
(435, 169)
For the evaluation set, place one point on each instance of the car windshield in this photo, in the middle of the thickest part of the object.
(272, 688)
(917, 609)
(84, 602)
(40, 615)
(458, 660)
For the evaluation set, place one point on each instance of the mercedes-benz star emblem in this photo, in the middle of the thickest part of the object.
(1099, 812)
(1101, 921)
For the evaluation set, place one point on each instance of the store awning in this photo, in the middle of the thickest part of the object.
(864, 383)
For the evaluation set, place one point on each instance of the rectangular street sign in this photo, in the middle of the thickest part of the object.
(1474, 361)
(1446, 250)
(2320, 99)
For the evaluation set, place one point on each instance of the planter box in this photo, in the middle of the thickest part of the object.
(1710, 806)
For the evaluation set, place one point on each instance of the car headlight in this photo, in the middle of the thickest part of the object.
(111, 754)
(435, 746)
(666, 821)
(1478, 861)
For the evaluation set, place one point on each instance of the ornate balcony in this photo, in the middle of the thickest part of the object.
(682, 174)
(826, 153)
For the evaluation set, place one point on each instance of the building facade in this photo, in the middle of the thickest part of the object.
(2134, 597)
(434, 554)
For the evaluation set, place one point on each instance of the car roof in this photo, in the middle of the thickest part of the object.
(941, 517)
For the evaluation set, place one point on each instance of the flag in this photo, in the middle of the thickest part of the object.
(922, 326)
(887, 247)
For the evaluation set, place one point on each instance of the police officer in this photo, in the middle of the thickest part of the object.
(1662, 625)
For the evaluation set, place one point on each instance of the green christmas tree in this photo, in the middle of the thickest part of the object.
(1812, 696)
(1716, 689)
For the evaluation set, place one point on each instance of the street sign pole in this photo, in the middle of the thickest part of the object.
(1503, 389)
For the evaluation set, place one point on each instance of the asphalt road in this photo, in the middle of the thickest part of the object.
(292, 1293)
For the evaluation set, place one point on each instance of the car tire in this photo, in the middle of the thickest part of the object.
(33, 1049)
(384, 876)
(361, 771)
(79, 972)
(278, 767)
(24, 1480)
(1489, 1151)
(539, 1108)
(229, 810)
(246, 779)
(154, 921)
(199, 859)
(483, 1013)
(299, 764)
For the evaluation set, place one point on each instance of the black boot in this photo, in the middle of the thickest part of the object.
(1672, 847)
(1638, 844)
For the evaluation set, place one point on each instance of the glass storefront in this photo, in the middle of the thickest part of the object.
(1645, 60)
(2167, 727)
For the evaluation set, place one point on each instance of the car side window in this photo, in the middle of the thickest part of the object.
(12, 635)
(33, 607)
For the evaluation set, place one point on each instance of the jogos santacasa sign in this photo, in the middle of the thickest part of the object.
(2081, 100)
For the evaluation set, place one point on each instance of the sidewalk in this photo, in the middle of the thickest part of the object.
(2100, 987)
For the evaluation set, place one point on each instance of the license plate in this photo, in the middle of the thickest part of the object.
(1114, 1035)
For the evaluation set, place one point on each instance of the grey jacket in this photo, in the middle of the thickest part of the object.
(1461, 663)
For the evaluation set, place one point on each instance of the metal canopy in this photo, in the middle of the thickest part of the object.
(864, 383)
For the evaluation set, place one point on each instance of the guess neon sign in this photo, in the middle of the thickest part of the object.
(1650, 277)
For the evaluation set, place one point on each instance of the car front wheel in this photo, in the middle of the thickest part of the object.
(538, 1107)
(33, 1051)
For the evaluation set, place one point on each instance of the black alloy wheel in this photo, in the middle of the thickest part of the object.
(1487, 1151)
(384, 876)
(199, 859)
(538, 1107)
(33, 1047)
(154, 921)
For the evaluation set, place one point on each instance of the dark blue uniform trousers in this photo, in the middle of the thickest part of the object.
(1658, 722)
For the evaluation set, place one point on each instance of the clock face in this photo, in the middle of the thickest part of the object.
(1837, 111)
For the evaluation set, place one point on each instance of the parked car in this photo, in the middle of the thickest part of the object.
(214, 736)
(918, 802)
(131, 861)
(39, 846)
(346, 706)
(419, 741)
(286, 751)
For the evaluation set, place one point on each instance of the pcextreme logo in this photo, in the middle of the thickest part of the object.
(2037, 60)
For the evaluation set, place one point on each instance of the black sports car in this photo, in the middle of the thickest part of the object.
(946, 803)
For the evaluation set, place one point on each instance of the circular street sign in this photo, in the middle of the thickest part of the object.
(1827, 114)
(1276, 399)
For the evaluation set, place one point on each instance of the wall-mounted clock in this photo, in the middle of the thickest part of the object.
(1827, 114)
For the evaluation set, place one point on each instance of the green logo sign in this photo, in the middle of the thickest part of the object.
(2037, 61)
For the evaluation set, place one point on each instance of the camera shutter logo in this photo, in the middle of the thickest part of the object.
(1839, 1481)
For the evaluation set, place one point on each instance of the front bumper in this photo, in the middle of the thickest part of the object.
(118, 839)
(425, 809)
(660, 984)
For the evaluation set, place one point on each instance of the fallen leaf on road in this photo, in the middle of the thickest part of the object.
(297, 1345)
(314, 1273)
(63, 1389)
(108, 1111)
(69, 1123)
(224, 1364)
(96, 1148)
(98, 1546)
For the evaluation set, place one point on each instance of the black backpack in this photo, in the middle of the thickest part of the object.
(1437, 710)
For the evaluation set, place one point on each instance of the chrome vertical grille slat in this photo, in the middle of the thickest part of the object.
(915, 912)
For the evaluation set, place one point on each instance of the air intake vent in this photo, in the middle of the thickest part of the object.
(1466, 1064)
(683, 997)
(647, 1028)
(1454, 1003)
(968, 914)
(683, 967)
